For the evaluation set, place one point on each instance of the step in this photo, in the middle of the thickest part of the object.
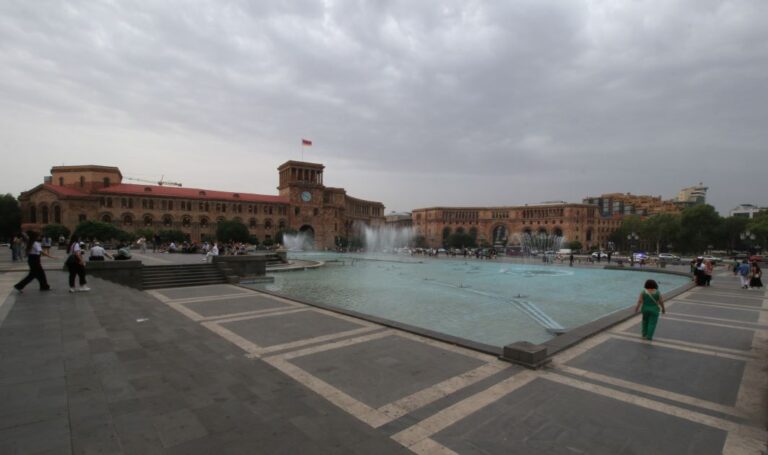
(183, 273)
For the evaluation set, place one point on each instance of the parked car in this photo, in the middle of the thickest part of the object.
(714, 259)
(601, 254)
(640, 256)
(668, 257)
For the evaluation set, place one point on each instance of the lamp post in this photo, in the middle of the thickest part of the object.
(748, 236)
(632, 237)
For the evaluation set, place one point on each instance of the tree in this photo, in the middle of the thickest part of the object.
(729, 235)
(147, 233)
(660, 230)
(446, 234)
(698, 228)
(172, 235)
(96, 230)
(460, 240)
(55, 231)
(575, 245)
(420, 242)
(253, 240)
(231, 231)
(10, 217)
(759, 227)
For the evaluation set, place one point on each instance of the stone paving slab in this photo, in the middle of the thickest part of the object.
(707, 377)
(211, 308)
(200, 291)
(544, 417)
(384, 370)
(694, 309)
(117, 371)
(722, 337)
(275, 329)
(726, 300)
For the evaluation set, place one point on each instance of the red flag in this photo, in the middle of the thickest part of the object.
(306, 142)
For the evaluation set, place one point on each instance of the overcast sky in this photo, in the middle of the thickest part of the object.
(407, 102)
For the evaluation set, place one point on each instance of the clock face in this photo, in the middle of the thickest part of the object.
(306, 196)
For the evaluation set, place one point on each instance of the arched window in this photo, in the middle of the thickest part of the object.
(106, 218)
(147, 221)
(186, 221)
(268, 224)
(44, 214)
(282, 224)
(219, 219)
(127, 220)
(57, 214)
(167, 220)
(558, 232)
(252, 223)
(203, 222)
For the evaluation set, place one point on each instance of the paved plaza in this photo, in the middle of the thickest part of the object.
(225, 369)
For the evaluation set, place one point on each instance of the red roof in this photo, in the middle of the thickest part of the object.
(189, 193)
(64, 190)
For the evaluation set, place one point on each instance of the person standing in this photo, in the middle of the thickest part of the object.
(755, 276)
(34, 253)
(651, 302)
(570, 260)
(76, 265)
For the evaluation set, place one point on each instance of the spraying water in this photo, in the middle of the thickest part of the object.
(387, 238)
(300, 241)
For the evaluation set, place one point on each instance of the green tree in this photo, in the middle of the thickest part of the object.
(231, 231)
(460, 240)
(575, 245)
(446, 234)
(96, 230)
(729, 234)
(253, 240)
(759, 227)
(147, 233)
(55, 231)
(698, 228)
(661, 230)
(172, 235)
(629, 224)
(10, 216)
(420, 242)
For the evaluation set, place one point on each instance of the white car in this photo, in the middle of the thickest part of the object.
(601, 255)
(668, 257)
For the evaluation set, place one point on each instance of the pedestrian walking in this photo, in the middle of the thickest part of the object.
(36, 272)
(709, 270)
(744, 270)
(650, 301)
(76, 265)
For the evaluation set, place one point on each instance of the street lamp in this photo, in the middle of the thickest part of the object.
(632, 237)
(746, 235)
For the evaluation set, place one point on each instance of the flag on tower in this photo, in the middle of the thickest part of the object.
(306, 143)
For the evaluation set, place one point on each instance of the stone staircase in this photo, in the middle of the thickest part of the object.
(172, 276)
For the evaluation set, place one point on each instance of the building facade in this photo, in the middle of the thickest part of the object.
(508, 225)
(746, 210)
(73, 194)
(623, 204)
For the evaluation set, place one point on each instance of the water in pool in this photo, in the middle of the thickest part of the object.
(490, 302)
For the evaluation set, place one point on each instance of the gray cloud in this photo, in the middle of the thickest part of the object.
(412, 103)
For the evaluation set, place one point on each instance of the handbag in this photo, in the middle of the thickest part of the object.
(71, 261)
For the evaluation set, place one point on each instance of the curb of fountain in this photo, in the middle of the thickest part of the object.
(450, 339)
(295, 268)
(535, 356)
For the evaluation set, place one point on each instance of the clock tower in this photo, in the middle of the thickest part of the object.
(302, 184)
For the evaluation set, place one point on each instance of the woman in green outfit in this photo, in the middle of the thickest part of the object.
(651, 301)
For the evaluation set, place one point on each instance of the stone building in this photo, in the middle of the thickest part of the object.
(506, 225)
(622, 204)
(72, 194)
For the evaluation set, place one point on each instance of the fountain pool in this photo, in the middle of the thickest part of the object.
(494, 303)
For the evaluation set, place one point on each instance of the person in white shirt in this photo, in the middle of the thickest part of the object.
(76, 265)
(98, 253)
(214, 251)
(34, 253)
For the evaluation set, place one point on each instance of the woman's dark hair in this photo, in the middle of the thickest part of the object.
(31, 239)
(651, 284)
(72, 240)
